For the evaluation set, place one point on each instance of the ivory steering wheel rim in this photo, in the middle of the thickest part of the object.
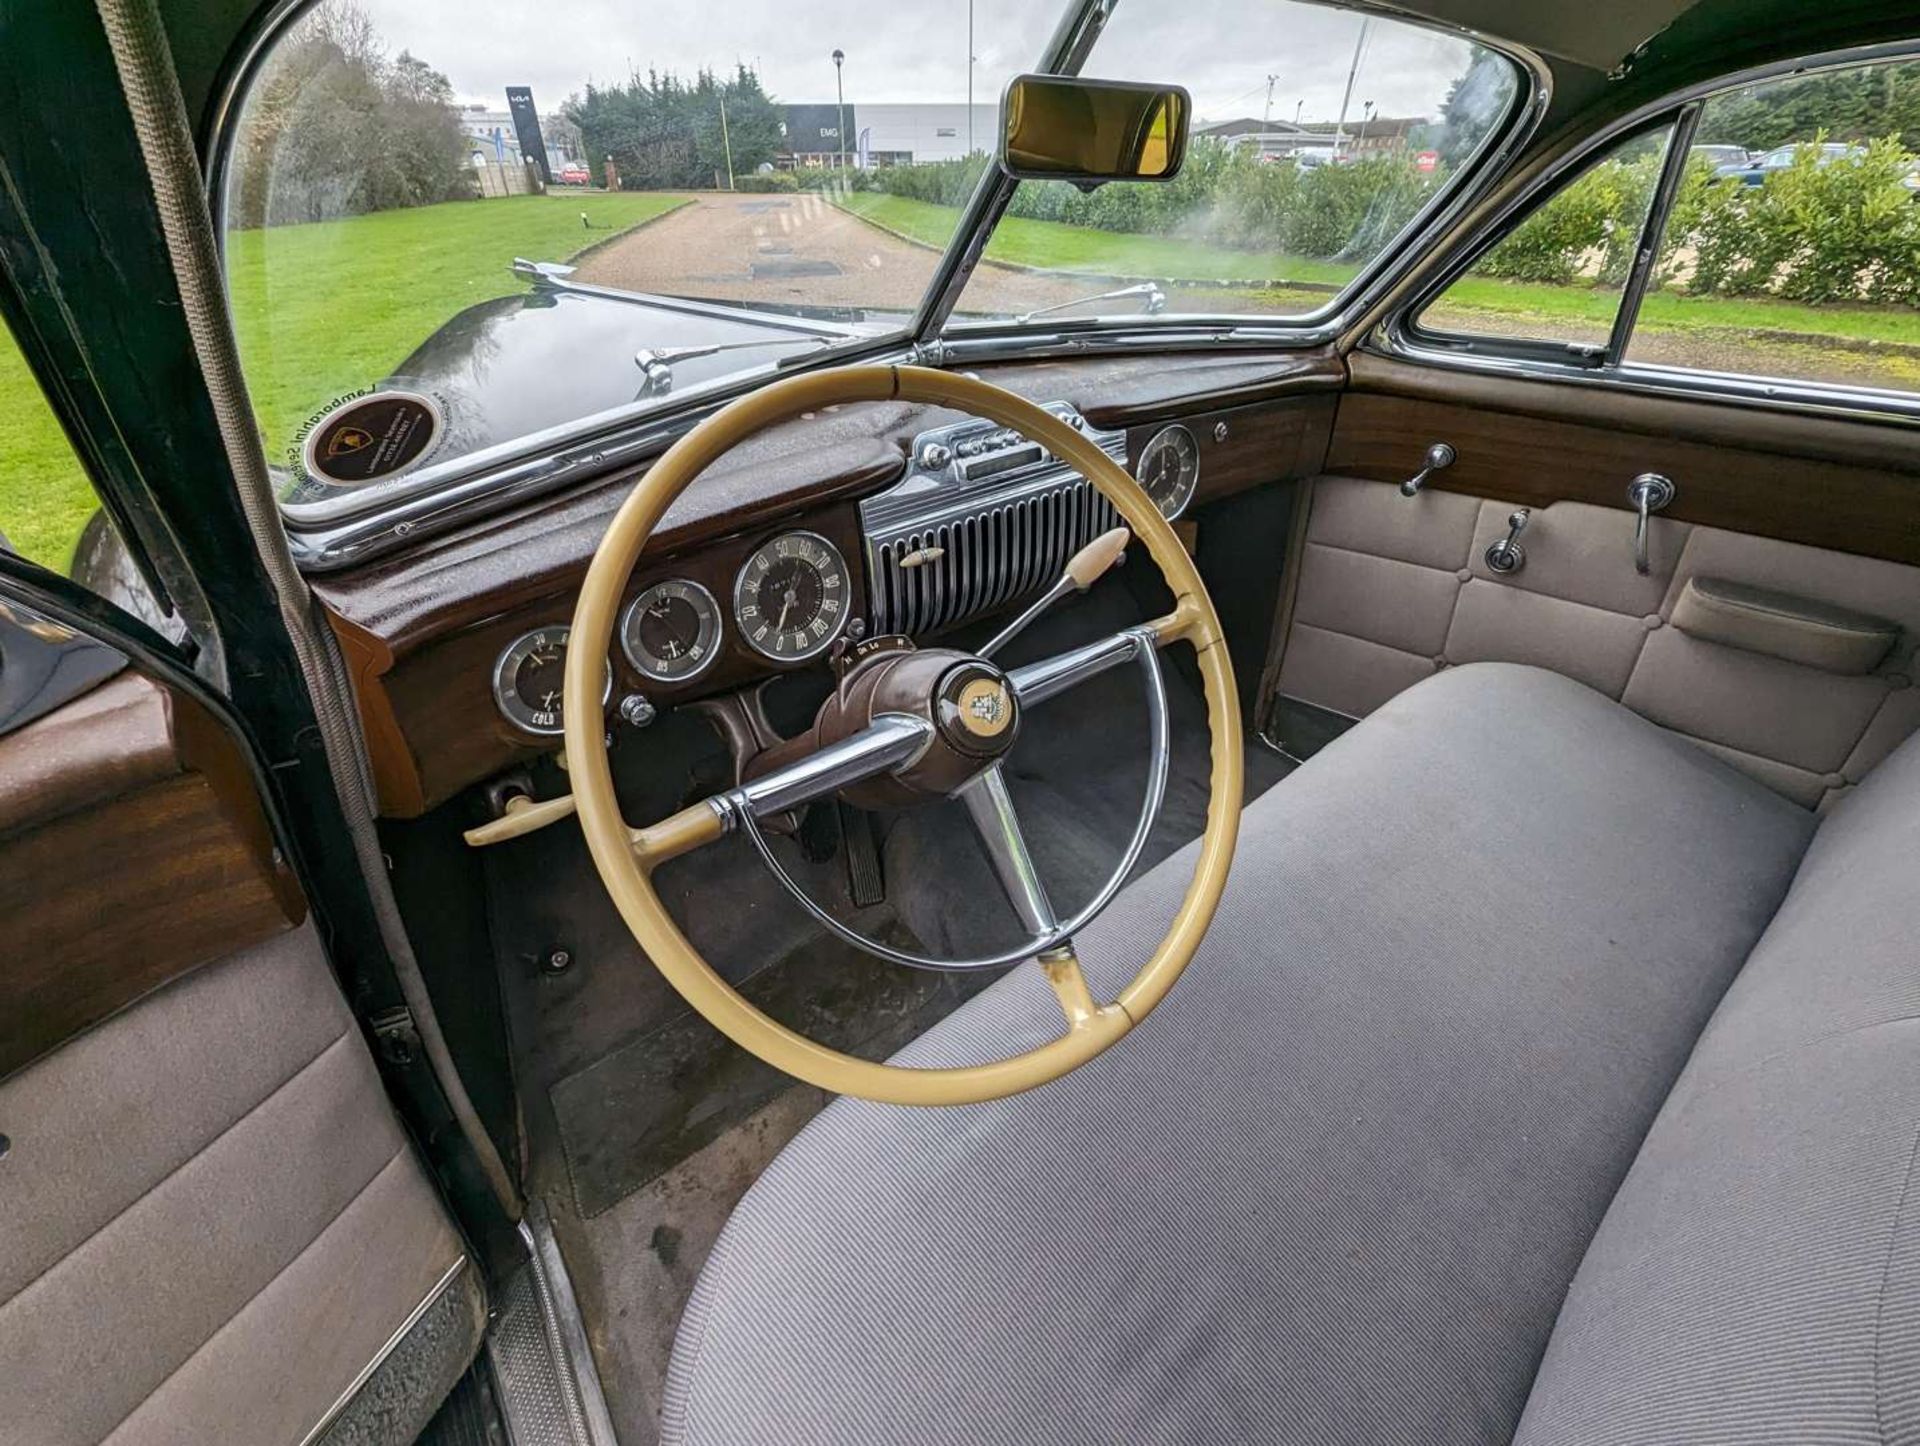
(625, 857)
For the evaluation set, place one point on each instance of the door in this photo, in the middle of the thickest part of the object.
(1621, 346)
(215, 1228)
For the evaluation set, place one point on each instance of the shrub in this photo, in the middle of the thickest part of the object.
(1846, 230)
(767, 181)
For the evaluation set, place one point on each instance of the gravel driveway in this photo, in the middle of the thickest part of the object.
(798, 250)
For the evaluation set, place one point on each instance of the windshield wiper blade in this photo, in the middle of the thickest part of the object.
(656, 363)
(1153, 301)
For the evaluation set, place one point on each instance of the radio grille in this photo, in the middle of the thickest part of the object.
(983, 559)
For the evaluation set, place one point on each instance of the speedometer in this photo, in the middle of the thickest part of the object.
(1169, 469)
(790, 599)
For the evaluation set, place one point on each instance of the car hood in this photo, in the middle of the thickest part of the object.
(517, 366)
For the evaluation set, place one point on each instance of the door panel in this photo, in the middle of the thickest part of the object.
(1844, 485)
(1392, 588)
(121, 795)
(216, 1228)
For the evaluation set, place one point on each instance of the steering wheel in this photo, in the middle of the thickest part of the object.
(905, 726)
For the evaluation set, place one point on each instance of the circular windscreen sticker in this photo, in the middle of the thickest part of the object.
(372, 437)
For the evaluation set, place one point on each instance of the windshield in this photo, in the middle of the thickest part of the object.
(449, 233)
(454, 239)
(1319, 134)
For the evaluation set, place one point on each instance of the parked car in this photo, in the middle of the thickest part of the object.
(1755, 172)
(1720, 156)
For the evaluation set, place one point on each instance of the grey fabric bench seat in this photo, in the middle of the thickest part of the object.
(1336, 1189)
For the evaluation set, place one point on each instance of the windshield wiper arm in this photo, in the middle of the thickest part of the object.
(1153, 301)
(656, 363)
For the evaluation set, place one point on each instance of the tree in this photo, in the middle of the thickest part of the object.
(334, 128)
(1473, 105)
(664, 133)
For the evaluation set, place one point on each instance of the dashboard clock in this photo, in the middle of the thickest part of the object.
(1169, 469)
(791, 597)
(671, 631)
(527, 682)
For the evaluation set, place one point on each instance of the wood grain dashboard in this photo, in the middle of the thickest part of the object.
(132, 848)
(421, 630)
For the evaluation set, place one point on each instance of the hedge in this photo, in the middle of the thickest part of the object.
(1224, 195)
(1843, 231)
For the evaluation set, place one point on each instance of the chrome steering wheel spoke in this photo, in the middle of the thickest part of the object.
(876, 750)
(990, 806)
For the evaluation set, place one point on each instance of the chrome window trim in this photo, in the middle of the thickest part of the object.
(439, 498)
(1399, 337)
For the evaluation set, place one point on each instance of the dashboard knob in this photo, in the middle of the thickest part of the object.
(936, 456)
(638, 709)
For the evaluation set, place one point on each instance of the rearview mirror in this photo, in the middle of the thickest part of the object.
(1064, 128)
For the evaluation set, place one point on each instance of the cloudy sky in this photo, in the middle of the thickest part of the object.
(906, 50)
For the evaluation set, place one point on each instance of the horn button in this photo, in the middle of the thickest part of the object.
(975, 710)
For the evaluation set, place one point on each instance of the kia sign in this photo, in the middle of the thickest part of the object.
(1427, 162)
(526, 127)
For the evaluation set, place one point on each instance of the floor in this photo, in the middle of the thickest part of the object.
(645, 1125)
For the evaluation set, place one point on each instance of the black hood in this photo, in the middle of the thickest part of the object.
(506, 369)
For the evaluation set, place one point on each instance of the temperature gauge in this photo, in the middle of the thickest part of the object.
(528, 682)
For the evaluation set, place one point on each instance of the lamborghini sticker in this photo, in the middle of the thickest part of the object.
(371, 437)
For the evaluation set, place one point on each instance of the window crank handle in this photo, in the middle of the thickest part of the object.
(1439, 457)
(1648, 493)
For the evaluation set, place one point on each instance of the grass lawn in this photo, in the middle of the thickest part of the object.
(1669, 310)
(321, 310)
(1761, 336)
(1056, 246)
(326, 308)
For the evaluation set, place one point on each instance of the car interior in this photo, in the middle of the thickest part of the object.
(1320, 851)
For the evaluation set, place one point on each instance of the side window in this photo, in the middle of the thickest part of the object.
(46, 499)
(1557, 278)
(1793, 248)
(49, 511)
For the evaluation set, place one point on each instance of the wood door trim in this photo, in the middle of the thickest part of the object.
(1536, 443)
(133, 848)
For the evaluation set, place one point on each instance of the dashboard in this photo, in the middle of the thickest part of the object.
(878, 519)
(982, 519)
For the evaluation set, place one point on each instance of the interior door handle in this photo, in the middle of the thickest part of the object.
(1649, 493)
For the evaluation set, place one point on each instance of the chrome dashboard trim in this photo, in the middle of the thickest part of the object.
(983, 518)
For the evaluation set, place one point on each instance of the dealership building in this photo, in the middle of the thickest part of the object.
(901, 134)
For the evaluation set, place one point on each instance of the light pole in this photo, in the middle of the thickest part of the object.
(840, 95)
(969, 77)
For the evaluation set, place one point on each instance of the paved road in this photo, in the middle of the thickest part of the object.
(798, 250)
